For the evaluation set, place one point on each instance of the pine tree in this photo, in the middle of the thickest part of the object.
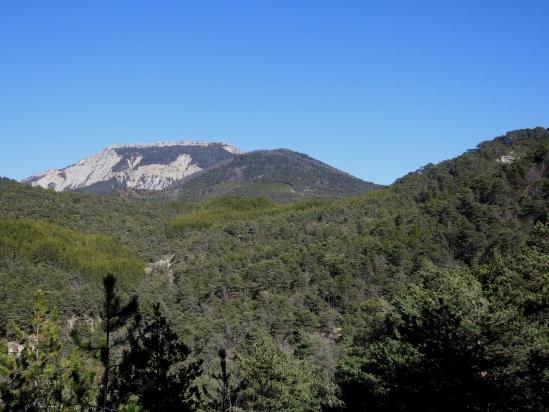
(156, 367)
(115, 317)
(40, 377)
(225, 379)
(274, 380)
(226, 395)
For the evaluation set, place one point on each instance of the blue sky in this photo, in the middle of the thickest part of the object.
(376, 88)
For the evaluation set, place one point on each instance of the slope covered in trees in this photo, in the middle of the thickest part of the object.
(281, 175)
(350, 291)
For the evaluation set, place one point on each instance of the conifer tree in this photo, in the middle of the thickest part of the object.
(226, 396)
(40, 377)
(274, 380)
(115, 317)
(156, 367)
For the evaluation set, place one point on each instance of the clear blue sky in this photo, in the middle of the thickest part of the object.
(374, 88)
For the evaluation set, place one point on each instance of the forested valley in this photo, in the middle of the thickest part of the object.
(431, 294)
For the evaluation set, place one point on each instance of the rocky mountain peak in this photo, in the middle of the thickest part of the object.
(155, 166)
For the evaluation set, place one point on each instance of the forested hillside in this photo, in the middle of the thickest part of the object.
(430, 294)
(280, 175)
(195, 171)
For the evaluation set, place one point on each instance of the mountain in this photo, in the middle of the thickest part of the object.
(194, 170)
(437, 281)
(279, 174)
(139, 167)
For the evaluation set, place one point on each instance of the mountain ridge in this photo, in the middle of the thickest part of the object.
(292, 175)
(136, 166)
(192, 170)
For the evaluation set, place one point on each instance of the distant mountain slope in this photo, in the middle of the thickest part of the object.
(194, 170)
(279, 174)
(138, 167)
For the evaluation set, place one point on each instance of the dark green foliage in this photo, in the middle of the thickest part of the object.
(114, 318)
(224, 394)
(67, 264)
(280, 175)
(130, 222)
(300, 274)
(41, 377)
(204, 157)
(227, 395)
(486, 198)
(274, 380)
(155, 368)
(425, 352)
(455, 340)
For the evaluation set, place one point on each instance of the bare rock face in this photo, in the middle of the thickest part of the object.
(163, 267)
(507, 159)
(194, 171)
(15, 348)
(153, 167)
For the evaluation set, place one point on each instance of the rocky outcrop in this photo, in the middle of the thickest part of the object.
(163, 267)
(157, 166)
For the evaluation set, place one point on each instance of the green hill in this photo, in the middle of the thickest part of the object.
(280, 175)
(299, 271)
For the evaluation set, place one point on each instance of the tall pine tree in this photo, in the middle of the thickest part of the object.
(115, 317)
(156, 367)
